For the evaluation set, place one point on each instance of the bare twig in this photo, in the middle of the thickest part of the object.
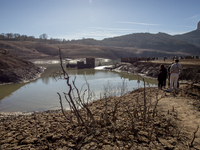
(191, 144)
(145, 107)
(62, 107)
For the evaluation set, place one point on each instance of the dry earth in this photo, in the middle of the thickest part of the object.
(195, 62)
(119, 123)
(15, 70)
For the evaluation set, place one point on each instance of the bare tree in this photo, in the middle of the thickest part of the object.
(43, 36)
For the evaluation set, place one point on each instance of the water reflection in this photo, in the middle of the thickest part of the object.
(8, 89)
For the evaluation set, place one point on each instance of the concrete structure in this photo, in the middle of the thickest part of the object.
(71, 65)
(90, 63)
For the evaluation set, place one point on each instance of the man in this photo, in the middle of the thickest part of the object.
(168, 72)
(175, 70)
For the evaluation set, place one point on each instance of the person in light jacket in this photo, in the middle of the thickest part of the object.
(175, 70)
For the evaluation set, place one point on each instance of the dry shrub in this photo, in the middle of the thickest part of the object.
(126, 121)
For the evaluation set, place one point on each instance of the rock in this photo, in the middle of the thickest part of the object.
(166, 143)
(4, 146)
(15, 141)
(7, 140)
(143, 139)
(29, 141)
(91, 145)
(56, 137)
(97, 132)
(49, 136)
(71, 144)
(108, 147)
(19, 137)
(144, 133)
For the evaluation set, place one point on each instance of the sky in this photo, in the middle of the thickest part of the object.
(97, 19)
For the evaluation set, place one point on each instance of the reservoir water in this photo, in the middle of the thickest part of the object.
(41, 94)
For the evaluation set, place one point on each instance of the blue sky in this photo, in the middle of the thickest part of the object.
(98, 19)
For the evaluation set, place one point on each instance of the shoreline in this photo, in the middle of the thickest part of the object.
(121, 67)
(6, 116)
(16, 114)
(150, 70)
(27, 79)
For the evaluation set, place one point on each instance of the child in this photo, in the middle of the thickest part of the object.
(160, 80)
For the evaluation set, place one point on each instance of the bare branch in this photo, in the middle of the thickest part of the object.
(191, 144)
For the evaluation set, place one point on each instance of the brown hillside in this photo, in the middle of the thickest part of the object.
(14, 69)
(35, 50)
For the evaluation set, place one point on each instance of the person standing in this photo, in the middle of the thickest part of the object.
(160, 79)
(175, 70)
(168, 71)
(164, 74)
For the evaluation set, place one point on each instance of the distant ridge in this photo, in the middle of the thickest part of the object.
(160, 41)
(136, 44)
(192, 37)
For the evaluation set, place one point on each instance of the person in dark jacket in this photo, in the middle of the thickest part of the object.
(164, 74)
(160, 79)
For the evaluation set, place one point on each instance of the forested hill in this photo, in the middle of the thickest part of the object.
(159, 41)
(131, 45)
(192, 37)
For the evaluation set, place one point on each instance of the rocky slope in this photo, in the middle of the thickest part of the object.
(16, 70)
(150, 69)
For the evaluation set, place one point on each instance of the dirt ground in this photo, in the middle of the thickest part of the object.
(187, 106)
(181, 61)
(171, 121)
(146, 118)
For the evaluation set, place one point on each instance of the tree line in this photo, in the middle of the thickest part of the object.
(42, 38)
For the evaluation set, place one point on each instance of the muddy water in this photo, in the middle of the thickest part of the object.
(41, 94)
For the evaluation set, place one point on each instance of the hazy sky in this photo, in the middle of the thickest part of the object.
(98, 19)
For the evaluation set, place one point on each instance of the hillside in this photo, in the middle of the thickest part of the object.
(159, 41)
(192, 37)
(132, 45)
(14, 69)
(35, 50)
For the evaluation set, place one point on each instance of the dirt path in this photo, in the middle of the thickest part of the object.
(188, 116)
(182, 61)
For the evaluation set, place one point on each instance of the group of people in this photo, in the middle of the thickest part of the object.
(172, 73)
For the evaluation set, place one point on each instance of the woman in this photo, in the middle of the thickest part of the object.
(164, 74)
